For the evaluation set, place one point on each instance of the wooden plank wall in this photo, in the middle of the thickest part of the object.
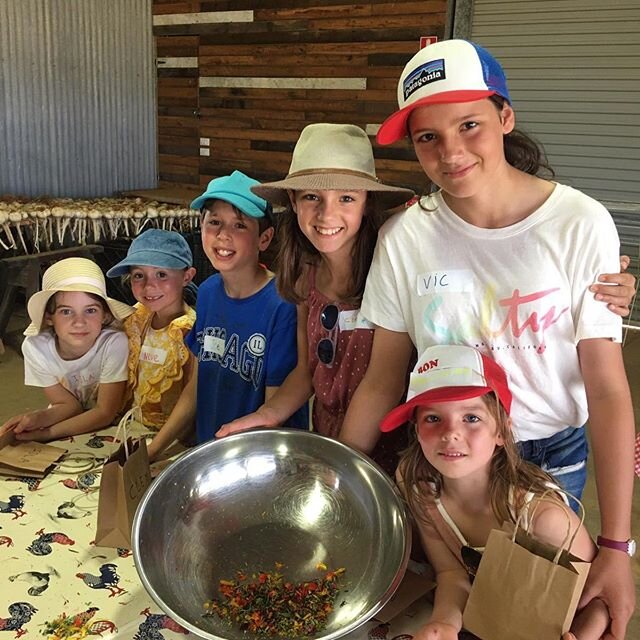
(239, 79)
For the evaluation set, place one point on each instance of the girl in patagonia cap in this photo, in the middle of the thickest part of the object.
(75, 351)
(500, 258)
(462, 453)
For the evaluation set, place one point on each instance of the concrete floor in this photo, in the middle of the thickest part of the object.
(15, 397)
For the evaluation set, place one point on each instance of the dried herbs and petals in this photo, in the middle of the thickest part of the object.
(267, 604)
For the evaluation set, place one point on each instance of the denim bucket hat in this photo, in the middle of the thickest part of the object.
(155, 248)
(236, 190)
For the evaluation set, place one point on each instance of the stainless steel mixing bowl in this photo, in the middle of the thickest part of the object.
(256, 498)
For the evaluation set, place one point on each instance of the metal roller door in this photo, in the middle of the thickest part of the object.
(574, 75)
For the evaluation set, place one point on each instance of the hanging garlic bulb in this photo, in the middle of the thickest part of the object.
(16, 218)
(57, 213)
(4, 219)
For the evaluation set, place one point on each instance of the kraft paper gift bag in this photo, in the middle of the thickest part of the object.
(524, 589)
(125, 478)
(27, 459)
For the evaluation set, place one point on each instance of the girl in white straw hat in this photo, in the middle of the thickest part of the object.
(74, 351)
(333, 200)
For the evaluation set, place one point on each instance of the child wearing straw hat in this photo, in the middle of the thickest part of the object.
(332, 203)
(75, 352)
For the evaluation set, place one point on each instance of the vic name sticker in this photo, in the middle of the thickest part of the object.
(151, 354)
(445, 281)
(213, 344)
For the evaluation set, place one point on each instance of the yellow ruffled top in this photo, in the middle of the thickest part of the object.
(157, 388)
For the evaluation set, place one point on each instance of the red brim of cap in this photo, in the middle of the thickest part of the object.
(395, 126)
(404, 412)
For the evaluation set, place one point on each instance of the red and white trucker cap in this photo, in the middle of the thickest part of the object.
(441, 73)
(446, 373)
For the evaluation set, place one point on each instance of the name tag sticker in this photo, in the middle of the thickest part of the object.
(214, 345)
(347, 320)
(151, 354)
(447, 281)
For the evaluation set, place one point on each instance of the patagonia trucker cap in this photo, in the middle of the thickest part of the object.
(441, 73)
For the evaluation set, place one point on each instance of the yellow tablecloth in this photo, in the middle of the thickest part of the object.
(52, 571)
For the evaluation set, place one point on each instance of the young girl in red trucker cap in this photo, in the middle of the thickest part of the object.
(501, 259)
(462, 476)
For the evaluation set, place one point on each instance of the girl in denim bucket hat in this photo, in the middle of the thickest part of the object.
(75, 351)
(501, 258)
(159, 267)
(333, 203)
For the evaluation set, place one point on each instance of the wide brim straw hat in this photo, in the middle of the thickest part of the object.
(337, 157)
(71, 274)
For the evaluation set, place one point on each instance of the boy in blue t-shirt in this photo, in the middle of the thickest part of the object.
(244, 337)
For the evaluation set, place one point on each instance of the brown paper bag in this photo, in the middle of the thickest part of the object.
(125, 478)
(27, 459)
(524, 589)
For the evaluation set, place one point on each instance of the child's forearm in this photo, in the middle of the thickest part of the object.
(90, 420)
(291, 394)
(44, 418)
(611, 426)
(451, 597)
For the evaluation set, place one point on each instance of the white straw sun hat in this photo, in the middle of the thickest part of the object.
(333, 156)
(71, 274)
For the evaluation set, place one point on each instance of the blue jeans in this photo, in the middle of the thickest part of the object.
(564, 456)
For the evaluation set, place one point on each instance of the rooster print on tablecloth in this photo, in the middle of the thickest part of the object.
(41, 546)
(108, 579)
(5, 541)
(14, 506)
(77, 626)
(97, 442)
(154, 623)
(84, 482)
(33, 484)
(19, 614)
(38, 581)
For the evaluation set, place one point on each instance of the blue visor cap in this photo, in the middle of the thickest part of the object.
(155, 248)
(236, 190)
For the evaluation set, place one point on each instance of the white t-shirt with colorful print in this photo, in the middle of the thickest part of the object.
(519, 294)
(105, 362)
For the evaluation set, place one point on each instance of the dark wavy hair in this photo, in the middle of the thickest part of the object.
(508, 471)
(296, 254)
(521, 151)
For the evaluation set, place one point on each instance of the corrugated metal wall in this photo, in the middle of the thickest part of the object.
(77, 97)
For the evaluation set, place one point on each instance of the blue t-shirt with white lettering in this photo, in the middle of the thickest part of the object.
(242, 345)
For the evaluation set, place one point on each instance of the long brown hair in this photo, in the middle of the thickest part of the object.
(296, 254)
(521, 151)
(508, 471)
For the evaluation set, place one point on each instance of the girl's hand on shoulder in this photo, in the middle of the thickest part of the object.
(437, 631)
(618, 298)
